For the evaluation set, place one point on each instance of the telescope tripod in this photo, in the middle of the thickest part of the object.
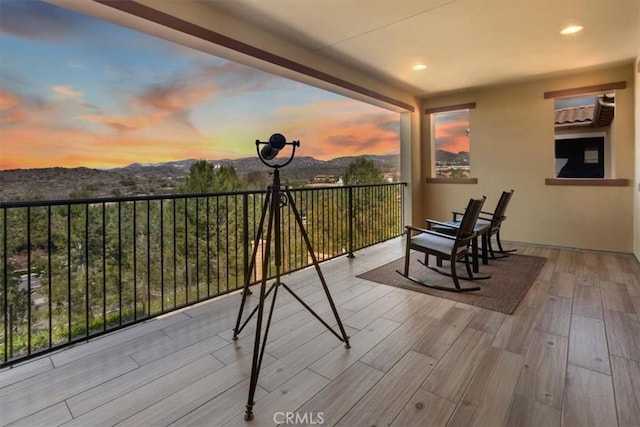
(276, 198)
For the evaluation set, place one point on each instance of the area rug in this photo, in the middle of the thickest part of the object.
(510, 280)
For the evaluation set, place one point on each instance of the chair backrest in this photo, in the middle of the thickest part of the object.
(470, 217)
(501, 207)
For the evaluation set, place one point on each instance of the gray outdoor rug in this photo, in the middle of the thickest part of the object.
(510, 280)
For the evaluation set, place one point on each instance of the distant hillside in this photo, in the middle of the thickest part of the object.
(449, 158)
(66, 183)
(162, 178)
(250, 164)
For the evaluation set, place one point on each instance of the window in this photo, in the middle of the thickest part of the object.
(582, 135)
(584, 122)
(580, 157)
(450, 136)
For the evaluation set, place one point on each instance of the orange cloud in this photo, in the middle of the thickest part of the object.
(65, 92)
(7, 99)
(11, 109)
(175, 97)
(346, 127)
(327, 142)
(72, 148)
(121, 123)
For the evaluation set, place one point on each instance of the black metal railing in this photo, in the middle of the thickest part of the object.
(75, 269)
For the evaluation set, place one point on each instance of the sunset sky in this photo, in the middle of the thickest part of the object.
(76, 91)
(451, 131)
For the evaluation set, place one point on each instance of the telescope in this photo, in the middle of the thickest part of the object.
(271, 148)
(277, 141)
(276, 198)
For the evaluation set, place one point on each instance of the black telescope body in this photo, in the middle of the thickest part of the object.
(277, 141)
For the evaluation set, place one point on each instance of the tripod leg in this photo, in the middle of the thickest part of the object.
(296, 214)
(257, 351)
(252, 264)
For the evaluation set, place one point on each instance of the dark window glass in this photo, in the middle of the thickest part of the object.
(580, 157)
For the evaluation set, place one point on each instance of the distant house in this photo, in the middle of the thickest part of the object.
(325, 179)
(322, 180)
(391, 176)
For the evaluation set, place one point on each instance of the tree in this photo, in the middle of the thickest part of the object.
(363, 171)
(226, 179)
(200, 179)
(367, 203)
(256, 180)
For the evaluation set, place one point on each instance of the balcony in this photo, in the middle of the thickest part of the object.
(183, 368)
(75, 269)
(479, 367)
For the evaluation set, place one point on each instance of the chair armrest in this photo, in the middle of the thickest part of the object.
(418, 229)
(455, 215)
(487, 213)
(442, 224)
(422, 230)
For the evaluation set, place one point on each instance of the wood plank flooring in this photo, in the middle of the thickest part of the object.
(569, 355)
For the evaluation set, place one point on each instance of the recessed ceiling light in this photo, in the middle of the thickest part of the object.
(419, 67)
(571, 29)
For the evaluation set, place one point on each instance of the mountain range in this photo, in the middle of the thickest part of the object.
(249, 164)
(158, 178)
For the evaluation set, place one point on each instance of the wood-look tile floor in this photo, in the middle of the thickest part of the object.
(569, 355)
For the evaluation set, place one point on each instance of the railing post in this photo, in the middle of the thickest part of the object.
(403, 219)
(5, 288)
(9, 343)
(245, 237)
(350, 249)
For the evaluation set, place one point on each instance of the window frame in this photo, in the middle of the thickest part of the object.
(609, 164)
(445, 109)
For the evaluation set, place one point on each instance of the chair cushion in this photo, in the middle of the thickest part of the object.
(433, 243)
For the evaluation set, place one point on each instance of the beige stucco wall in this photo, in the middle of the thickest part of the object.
(512, 148)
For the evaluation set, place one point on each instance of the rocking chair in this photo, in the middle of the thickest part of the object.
(446, 247)
(493, 220)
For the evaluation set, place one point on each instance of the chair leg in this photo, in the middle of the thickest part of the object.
(485, 248)
(497, 254)
(491, 252)
(500, 245)
(466, 264)
(407, 255)
(454, 276)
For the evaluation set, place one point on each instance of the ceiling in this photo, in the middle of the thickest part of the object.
(464, 43)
